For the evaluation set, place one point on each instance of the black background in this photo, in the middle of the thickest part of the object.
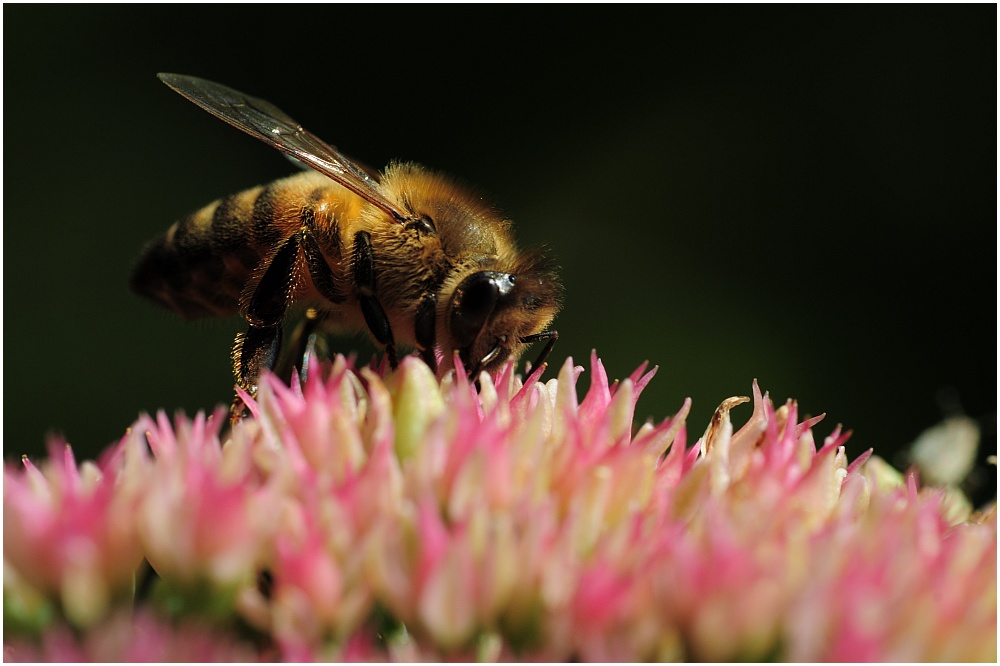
(802, 195)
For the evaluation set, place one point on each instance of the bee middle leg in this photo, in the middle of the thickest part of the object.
(304, 339)
(304, 342)
(364, 278)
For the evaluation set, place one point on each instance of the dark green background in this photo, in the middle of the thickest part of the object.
(805, 195)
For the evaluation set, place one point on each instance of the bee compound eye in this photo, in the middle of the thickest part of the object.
(473, 302)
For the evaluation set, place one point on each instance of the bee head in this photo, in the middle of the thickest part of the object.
(491, 312)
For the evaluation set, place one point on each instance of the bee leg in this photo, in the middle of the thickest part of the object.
(316, 347)
(364, 277)
(304, 339)
(426, 330)
(258, 349)
(551, 336)
(303, 342)
(253, 351)
(319, 269)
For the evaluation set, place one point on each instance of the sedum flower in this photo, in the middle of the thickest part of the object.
(127, 637)
(69, 534)
(359, 516)
(206, 513)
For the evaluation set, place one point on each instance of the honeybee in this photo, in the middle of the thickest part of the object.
(407, 255)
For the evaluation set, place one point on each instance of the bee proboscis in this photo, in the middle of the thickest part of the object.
(407, 255)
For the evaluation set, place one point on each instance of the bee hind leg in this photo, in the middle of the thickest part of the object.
(258, 349)
(253, 352)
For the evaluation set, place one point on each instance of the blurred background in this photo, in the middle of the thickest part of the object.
(801, 195)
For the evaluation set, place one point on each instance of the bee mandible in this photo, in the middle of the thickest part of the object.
(408, 255)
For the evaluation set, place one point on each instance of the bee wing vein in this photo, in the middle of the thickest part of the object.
(265, 121)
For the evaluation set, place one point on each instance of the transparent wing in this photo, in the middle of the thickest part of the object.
(263, 120)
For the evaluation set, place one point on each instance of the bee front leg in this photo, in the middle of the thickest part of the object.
(550, 336)
(426, 330)
(364, 278)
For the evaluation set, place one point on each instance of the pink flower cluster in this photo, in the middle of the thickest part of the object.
(362, 517)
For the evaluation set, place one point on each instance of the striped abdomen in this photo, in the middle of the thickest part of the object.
(201, 265)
